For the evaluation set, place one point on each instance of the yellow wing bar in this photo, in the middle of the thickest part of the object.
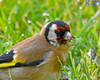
(9, 64)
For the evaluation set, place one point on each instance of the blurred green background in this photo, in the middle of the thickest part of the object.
(20, 19)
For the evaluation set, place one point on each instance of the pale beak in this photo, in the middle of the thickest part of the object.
(69, 37)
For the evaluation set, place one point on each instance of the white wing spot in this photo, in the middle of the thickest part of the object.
(14, 56)
(14, 51)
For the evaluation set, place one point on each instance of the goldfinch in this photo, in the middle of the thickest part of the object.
(36, 58)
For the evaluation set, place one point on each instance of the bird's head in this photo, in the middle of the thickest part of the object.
(57, 33)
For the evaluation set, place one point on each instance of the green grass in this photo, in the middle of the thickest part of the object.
(20, 19)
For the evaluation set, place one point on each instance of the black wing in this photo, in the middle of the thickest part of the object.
(6, 57)
(34, 63)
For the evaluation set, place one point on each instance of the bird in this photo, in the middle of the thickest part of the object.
(37, 57)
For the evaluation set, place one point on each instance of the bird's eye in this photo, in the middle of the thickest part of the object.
(64, 35)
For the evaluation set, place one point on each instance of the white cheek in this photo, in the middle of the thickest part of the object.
(53, 27)
(52, 34)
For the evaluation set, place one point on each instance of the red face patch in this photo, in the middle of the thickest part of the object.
(61, 41)
(68, 28)
(60, 38)
(63, 29)
(60, 28)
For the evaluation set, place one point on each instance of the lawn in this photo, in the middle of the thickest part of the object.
(20, 19)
